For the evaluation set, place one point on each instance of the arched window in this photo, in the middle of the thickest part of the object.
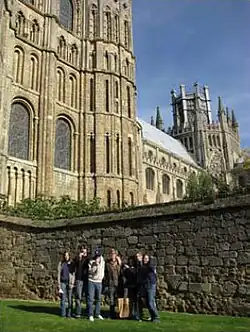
(218, 141)
(107, 153)
(130, 153)
(62, 48)
(92, 94)
(118, 154)
(163, 161)
(34, 32)
(210, 140)
(107, 24)
(131, 198)
(129, 101)
(214, 140)
(116, 28)
(106, 61)
(126, 34)
(73, 91)
(60, 85)
(63, 144)
(116, 90)
(179, 188)
(92, 154)
(116, 64)
(109, 199)
(150, 154)
(18, 65)
(150, 178)
(92, 60)
(20, 24)
(107, 95)
(118, 198)
(165, 184)
(66, 14)
(74, 55)
(127, 67)
(93, 21)
(19, 132)
(34, 73)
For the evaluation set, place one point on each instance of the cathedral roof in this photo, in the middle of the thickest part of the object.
(165, 141)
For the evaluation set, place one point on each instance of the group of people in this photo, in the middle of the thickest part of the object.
(127, 282)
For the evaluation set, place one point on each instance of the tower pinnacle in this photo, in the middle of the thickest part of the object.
(220, 107)
(159, 121)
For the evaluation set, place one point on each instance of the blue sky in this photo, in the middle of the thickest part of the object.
(184, 41)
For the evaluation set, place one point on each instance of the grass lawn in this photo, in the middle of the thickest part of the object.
(22, 316)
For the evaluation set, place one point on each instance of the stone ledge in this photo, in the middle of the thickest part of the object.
(141, 212)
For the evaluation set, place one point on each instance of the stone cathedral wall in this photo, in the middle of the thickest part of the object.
(202, 252)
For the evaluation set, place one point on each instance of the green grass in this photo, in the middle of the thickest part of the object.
(22, 316)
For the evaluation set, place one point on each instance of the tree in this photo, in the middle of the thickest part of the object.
(200, 187)
(246, 158)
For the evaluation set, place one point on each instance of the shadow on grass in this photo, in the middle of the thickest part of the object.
(37, 309)
(49, 310)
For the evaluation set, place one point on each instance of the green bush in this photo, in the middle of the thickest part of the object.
(200, 187)
(50, 208)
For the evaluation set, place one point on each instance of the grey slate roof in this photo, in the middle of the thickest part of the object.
(165, 142)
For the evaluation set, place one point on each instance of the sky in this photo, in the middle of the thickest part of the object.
(185, 41)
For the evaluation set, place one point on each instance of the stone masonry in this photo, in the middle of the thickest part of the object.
(202, 252)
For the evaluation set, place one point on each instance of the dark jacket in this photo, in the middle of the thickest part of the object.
(65, 273)
(81, 269)
(112, 273)
(147, 275)
(129, 276)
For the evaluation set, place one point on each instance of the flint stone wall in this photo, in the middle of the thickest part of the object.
(202, 251)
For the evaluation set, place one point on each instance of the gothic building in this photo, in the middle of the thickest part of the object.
(68, 110)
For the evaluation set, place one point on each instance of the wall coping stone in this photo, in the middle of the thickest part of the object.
(141, 212)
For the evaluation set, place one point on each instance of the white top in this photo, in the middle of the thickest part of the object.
(165, 141)
(96, 271)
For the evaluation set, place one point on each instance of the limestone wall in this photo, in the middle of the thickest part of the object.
(203, 252)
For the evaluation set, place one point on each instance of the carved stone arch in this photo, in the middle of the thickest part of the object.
(18, 64)
(20, 24)
(61, 78)
(34, 71)
(107, 23)
(93, 19)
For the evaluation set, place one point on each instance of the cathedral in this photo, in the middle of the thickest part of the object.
(68, 115)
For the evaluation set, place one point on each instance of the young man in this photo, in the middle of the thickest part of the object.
(112, 275)
(148, 281)
(139, 290)
(95, 278)
(81, 273)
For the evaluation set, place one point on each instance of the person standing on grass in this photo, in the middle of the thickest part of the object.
(139, 308)
(95, 278)
(112, 276)
(148, 282)
(66, 280)
(81, 276)
(130, 283)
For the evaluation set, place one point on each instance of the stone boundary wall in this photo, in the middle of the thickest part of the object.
(202, 251)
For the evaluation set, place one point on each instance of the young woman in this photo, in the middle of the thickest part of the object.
(66, 280)
(148, 281)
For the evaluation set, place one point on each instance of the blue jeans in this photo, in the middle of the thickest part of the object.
(81, 290)
(66, 296)
(151, 303)
(94, 293)
(112, 298)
